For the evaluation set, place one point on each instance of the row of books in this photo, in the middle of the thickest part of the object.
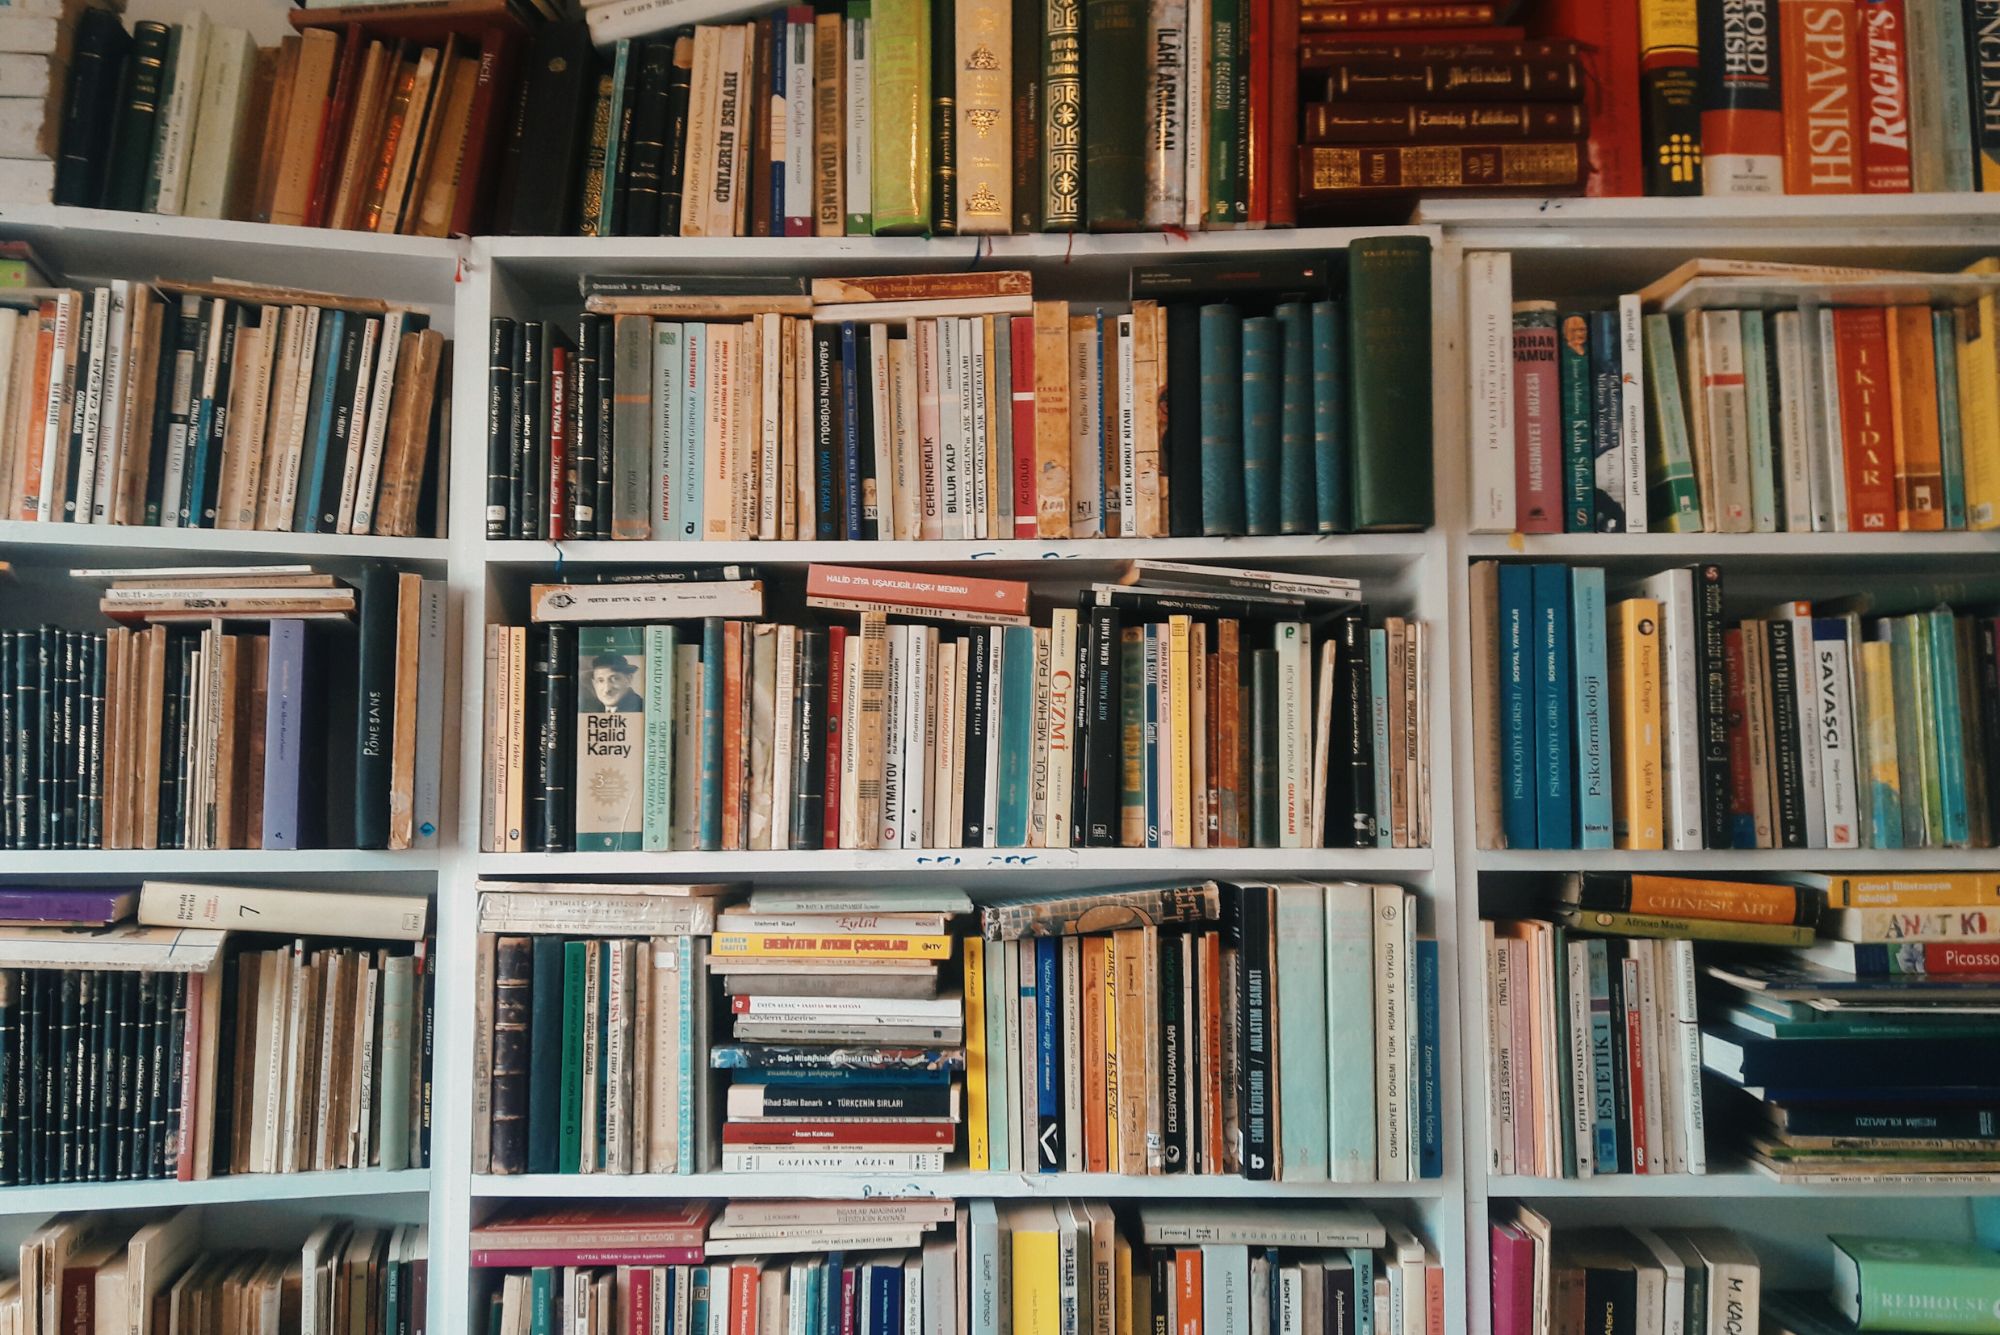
(978, 1267)
(161, 1272)
(321, 727)
(1775, 398)
(1825, 97)
(1656, 722)
(137, 1045)
(1703, 1281)
(221, 405)
(1191, 718)
(1241, 400)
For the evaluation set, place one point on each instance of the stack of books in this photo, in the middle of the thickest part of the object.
(115, 1271)
(591, 1028)
(221, 405)
(1738, 396)
(39, 44)
(143, 1042)
(1394, 111)
(179, 733)
(1656, 722)
(846, 1060)
(1688, 1279)
(1128, 1031)
(1200, 707)
(1230, 400)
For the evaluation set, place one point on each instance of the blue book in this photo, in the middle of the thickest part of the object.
(698, 1282)
(1333, 511)
(1592, 739)
(1263, 369)
(1221, 422)
(319, 421)
(1517, 704)
(541, 1300)
(285, 709)
(1952, 800)
(1017, 733)
(1578, 426)
(1430, 1092)
(830, 1303)
(1951, 443)
(621, 84)
(688, 496)
(1298, 502)
(885, 1298)
(1350, 1070)
(780, 46)
(1363, 1262)
(1303, 1133)
(1555, 759)
(1378, 714)
(1150, 768)
(850, 431)
(985, 1268)
(1603, 1077)
(711, 733)
(1607, 415)
(1048, 1074)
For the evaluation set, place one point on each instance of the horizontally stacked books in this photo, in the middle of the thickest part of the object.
(221, 405)
(849, 1060)
(1654, 722)
(1734, 396)
(1705, 1281)
(904, 1266)
(178, 732)
(1398, 113)
(145, 1041)
(1197, 707)
(1139, 1046)
(1232, 399)
(165, 1272)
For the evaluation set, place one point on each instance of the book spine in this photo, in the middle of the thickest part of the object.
(1537, 420)
(983, 135)
(1821, 95)
(1742, 117)
(1390, 371)
(1116, 65)
(1222, 489)
(1062, 120)
(1861, 355)
(1882, 59)
(1670, 89)
(901, 105)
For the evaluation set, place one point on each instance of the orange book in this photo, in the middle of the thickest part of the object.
(30, 499)
(1227, 702)
(1137, 946)
(312, 80)
(403, 84)
(277, 128)
(744, 1278)
(1636, 805)
(940, 592)
(1919, 458)
(1211, 1046)
(1821, 97)
(1688, 897)
(732, 734)
(1095, 1158)
(1187, 1289)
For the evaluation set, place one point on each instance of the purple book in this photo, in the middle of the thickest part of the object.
(98, 906)
(284, 702)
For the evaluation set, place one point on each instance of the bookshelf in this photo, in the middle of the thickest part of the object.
(1580, 245)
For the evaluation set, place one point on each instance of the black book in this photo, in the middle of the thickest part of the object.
(427, 1071)
(583, 443)
(128, 1067)
(1621, 1068)
(500, 342)
(944, 119)
(170, 722)
(558, 735)
(528, 447)
(606, 397)
(92, 816)
(545, 1040)
(1173, 1056)
(74, 653)
(541, 741)
(237, 317)
(344, 429)
(58, 1164)
(10, 1065)
(80, 399)
(1351, 769)
(375, 718)
(6, 742)
(617, 185)
(545, 152)
(673, 169)
(639, 207)
(517, 431)
(513, 1005)
(1155, 604)
(1340, 1300)
(1103, 763)
(1611, 1298)
(180, 325)
(29, 728)
(1786, 754)
(48, 800)
(864, 415)
(164, 1110)
(1164, 1281)
(1712, 706)
(138, 111)
(809, 759)
(978, 731)
(1264, 822)
(1180, 437)
(1248, 920)
(187, 406)
(97, 1031)
(90, 107)
(827, 446)
(29, 1074)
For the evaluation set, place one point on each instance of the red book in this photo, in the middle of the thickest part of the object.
(1347, 16)
(1867, 417)
(333, 131)
(1283, 159)
(1882, 57)
(869, 1134)
(733, 752)
(1822, 97)
(640, 1313)
(1538, 444)
(1513, 1281)
(836, 653)
(743, 1277)
(1257, 110)
(850, 1280)
(1636, 1058)
(1742, 800)
(478, 168)
(926, 590)
(1021, 334)
(1609, 34)
(559, 407)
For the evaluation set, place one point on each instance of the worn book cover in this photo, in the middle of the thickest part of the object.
(610, 742)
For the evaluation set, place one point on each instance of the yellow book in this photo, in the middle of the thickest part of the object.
(1126, 1293)
(1882, 802)
(1180, 685)
(517, 687)
(1979, 402)
(1111, 1108)
(1037, 1277)
(1913, 890)
(1635, 723)
(827, 946)
(979, 1153)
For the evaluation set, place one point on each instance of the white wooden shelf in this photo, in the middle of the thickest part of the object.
(238, 1189)
(148, 540)
(217, 862)
(958, 1182)
(1371, 549)
(1624, 547)
(1737, 859)
(1816, 212)
(1733, 1184)
(1163, 863)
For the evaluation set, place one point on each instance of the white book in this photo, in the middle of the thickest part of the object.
(1672, 1082)
(783, 739)
(1128, 438)
(358, 513)
(1685, 1053)
(1830, 500)
(1632, 414)
(1072, 1053)
(718, 431)
(1796, 619)
(1838, 739)
(1581, 1110)
(292, 454)
(917, 733)
(110, 432)
(1294, 738)
(89, 408)
(1499, 1048)
(894, 719)
(799, 129)
(1489, 361)
(1641, 970)
(214, 158)
(1196, 179)
(669, 404)
(54, 420)
(951, 443)
(974, 373)
(908, 491)
(883, 428)
(1167, 94)
(1724, 405)
(1086, 423)
(1680, 688)
(944, 753)
(860, 183)
(769, 330)
(929, 340)
(1392, 999)
(1794, 396)
(655, 602)
(171, 140)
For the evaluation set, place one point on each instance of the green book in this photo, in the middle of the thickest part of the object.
(1916, 1284)
(610, 737)
(1221, 422)
(1579, 438)
(1674, 501)
(138, 112)
(1333, 507)
(1924, 684)
(1757, 406)
(1062, 115)
(1115, 62)
(1297, 508)
(900, 104)
(860, 37)
(1389, 349)
(545, 1051)
(399, 999)
(1263, 359)
(657, 824)
(1901, 634)
(542, 1300)
(1941, 638)
(1224, 185)
(607, 199)
(576, 955)
(1951, 441)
